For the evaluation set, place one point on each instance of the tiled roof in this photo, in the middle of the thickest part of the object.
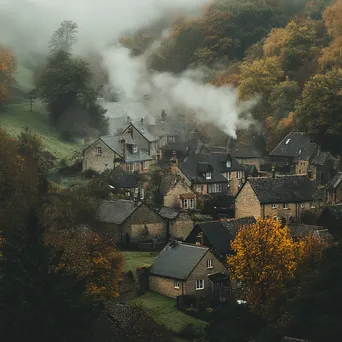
(115, 211)
(124, 180)
(335, 181)
(167, 182)
(141, 155)
(335, 210)
(321, 158)
(295, 145)
(245, 152)
(221, 233)
(169, 213)
(303, 229)
(283, 189)
(144, 131)
(178, 261)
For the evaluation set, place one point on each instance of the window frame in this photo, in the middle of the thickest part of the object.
(228, 163)
(274, 206)
(135, 149)
(192, 203)
(185, 203)
(239, 174)
(229, 175)
(285, 206)
(98, 150)
(199, 282)
(176, 284)
(210, 263)
(144, 164)
(208, 175)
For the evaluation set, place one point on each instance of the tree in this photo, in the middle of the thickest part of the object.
(8, 67)
(65, 85)
(64, 37)
(38, 302)
(320, 106)
(265, 256)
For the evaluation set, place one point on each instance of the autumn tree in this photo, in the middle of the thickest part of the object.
(320, 107)
(64, 37)
(265, 256)
(8, 66)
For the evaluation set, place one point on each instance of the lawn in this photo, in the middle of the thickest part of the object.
(138, 259)
(16, 117)
(164, 310)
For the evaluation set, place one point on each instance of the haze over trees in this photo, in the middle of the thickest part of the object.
(8, 66)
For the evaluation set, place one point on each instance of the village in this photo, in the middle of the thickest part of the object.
(206, 194)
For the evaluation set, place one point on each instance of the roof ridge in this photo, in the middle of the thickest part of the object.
(191, 245)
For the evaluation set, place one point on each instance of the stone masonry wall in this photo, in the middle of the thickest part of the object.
(246, 203)
(165, 286)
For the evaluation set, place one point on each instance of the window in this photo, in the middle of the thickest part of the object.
(200, 284)
(228, 163)
(135, 148)
(229, 176)
(209, 263)
(192, 204)
(239, 175)
(214, 188)
(142, 193)
(98, 150)
(302, 206)
(144, 164)
(287, 141)
(285, 206)
(312, 205)
(171, 139)
(176, 284)
(299, 171)
(185, 204)
(208, 175)
(274, 206)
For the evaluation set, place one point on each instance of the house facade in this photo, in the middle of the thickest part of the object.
(110, 152)
(127, 221)
(184, 269)
(282, 197)
(334, 189)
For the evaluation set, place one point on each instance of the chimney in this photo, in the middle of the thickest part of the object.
(309, 173)
(174, 163)
(273, 171)
(142, 124)
(163, 116)
(123, 147)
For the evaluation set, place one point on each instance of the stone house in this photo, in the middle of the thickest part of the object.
(334, 189)
(212, 173)
(128, 185)
(177, 193)
(145, 139)
(217, 235)
(113, 151)
(331, 219)
(297, 154)
(179, 223)
(282, 197)
(127, 221)
(184, 269)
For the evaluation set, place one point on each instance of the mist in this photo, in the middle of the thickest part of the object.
(27, 25)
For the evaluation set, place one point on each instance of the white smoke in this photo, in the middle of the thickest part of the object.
(28, 24)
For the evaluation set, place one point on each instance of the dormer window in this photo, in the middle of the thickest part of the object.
(208, 175)
(228, 163)
(135, 148)
(98, 150)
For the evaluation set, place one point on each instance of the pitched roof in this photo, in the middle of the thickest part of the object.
(335, 210)
(291, 339)
(245, 152)
(295, 145)
(283, 189)
(142, 128)
(141, 155)
(167, 182)
(169, 213)
(336, 181)
(124, 180)
(178, 260)
(221, 233)
(115, 211)
(321, 158)
(303, 229)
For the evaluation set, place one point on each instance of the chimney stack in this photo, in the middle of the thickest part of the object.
(273, 171)
(163, 116)
(142, 124)
(123, 147)
(174, 163)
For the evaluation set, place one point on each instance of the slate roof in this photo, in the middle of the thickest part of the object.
(141, 155)
(143, 130)
(245, 152)
(321, 158)
(295, 145)
(335, 210)
(283, 189)
(195, 164)
(303, 229)
(250, 170)
(115, 211)
(221, 233)
(291, 339)
(178, 261)
(335, 181)
(169, 213)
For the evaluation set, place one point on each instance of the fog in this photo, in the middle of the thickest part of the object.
(27, 25)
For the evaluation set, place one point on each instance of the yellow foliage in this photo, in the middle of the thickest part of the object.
(265, 256)
(7, 69)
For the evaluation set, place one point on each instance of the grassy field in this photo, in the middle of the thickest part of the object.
(16, 117)
(138, 259)
(164, 310)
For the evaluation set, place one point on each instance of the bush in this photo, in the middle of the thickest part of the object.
(191, 331)
(90, 173)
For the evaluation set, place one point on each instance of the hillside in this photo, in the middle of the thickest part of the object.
(17, 116)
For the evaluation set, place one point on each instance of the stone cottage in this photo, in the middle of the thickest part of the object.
(184, 269)
(127, 221)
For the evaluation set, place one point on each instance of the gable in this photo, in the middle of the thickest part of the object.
(179, 188)
(91, 149)
(144, 215)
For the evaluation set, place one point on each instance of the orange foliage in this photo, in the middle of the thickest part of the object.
(7, 69)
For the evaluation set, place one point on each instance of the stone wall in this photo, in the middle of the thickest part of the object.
(181, 227)
(171, 197)
(165, 286)
(246, 203)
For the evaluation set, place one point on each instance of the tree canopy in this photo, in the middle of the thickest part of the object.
(8, 66)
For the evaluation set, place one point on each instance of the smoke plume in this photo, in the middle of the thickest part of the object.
(27, 25)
